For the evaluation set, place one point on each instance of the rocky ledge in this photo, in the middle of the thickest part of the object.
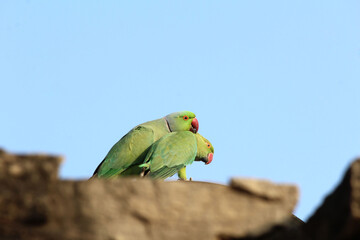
(35, 204)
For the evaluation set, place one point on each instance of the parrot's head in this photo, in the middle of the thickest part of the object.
(205, 150)
(182, 121)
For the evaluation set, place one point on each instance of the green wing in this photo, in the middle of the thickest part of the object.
(171, 153)
(129, 150)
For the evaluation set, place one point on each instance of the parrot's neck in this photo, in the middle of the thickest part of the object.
(167, 124)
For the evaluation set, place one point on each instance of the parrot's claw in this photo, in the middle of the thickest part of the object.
(142, 174)
(186, 180)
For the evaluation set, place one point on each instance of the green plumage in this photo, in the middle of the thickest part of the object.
(174, 152)
(132, 148)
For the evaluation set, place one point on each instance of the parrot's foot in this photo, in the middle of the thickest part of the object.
(142, 174)
(186, 180)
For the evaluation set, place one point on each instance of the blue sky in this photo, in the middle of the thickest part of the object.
(274, 84)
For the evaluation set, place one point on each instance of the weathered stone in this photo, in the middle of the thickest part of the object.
(290, 229)
(43, 208)
(265, 189)
(36, 167)
(339, 216)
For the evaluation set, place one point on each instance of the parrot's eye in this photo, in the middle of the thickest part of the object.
(208, 145)
(185, 117)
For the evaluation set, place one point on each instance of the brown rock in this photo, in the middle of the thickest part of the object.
(339, 216)
(265, 189)
(36, 167)
(290, 229)
(43, 208)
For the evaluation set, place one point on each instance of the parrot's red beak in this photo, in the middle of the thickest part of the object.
(194, 125)
(210, 158)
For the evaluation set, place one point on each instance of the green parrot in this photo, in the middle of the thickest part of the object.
(171, 153)
(125, 156)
